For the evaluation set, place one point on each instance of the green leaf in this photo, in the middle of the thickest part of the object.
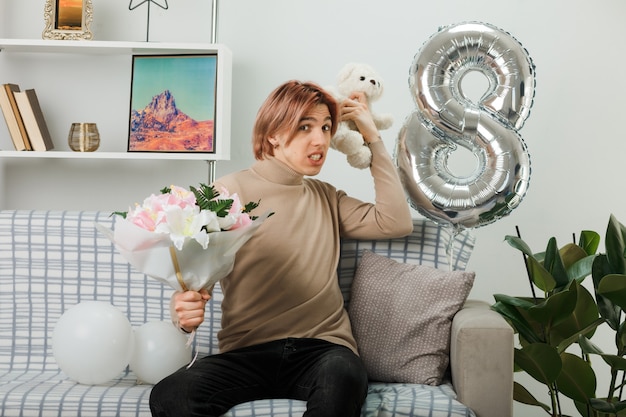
(540, 276)
(556, 308)
(614, 243)
(576, 379)
(574, 338)
(539, 360)
(608, 310)
(585, 409)
(584, 314)
(570, 254)
(522, 395)
(613, 408)
(554, 264)
(250, 206)
(206, 199)
(589, 241)
(521, 302)
(518, 244)
(204, 195)
(613, 287)
(512, 309)
(620, 339)
(589, 347)
(581, 269)
(614, 361)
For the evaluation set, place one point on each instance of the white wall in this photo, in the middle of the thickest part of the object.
(574, 133)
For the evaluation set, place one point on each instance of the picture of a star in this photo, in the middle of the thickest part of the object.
(136, 3)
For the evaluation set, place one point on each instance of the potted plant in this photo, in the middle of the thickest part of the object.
(555, 327)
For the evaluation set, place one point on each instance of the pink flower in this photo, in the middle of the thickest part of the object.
(148, 215)
(242, 220)
(181, 197)
(177, 214)
(236, 217)
(143, 218)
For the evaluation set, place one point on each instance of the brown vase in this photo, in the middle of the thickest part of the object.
(84, 137)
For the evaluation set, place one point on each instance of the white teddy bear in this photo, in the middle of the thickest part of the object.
(357, 77)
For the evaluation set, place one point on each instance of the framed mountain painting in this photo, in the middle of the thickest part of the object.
(173, 103)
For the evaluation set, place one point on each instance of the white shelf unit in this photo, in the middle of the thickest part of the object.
(52, 154)
(86, 48)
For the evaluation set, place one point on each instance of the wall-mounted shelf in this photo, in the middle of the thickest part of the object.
(103, 47)
(107, 155)
(110, 48)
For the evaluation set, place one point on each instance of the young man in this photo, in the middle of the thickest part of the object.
(285, 333)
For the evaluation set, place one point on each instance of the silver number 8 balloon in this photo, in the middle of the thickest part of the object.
(446, 119)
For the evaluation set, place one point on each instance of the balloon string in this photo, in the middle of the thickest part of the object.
(190, 340)
(179, 275)
(450, 247)
(192, 336)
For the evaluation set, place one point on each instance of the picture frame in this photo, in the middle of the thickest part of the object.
(68, 20)
(174, 103)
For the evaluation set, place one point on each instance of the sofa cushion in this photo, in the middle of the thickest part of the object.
(382, 400)
(429, 244)
(401, 316)
(51, 394)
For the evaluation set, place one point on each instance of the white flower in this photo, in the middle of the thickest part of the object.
(228, 221)
(183, 224)
(210, 220)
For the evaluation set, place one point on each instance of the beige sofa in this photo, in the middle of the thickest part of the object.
(52, 260)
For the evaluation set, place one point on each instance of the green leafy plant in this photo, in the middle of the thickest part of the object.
(555, 327)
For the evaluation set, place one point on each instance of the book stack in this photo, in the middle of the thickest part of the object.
(24, 118)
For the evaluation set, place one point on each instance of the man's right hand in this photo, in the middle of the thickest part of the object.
(189, 308)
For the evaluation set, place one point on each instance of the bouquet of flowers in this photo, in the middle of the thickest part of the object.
(185, 238)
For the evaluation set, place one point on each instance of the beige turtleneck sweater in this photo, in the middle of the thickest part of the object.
(284, 282)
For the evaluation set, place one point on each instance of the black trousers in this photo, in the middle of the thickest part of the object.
(330, 377)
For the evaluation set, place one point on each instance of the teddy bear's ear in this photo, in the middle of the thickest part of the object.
(345, 72)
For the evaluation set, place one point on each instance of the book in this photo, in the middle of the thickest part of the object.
(13, 118)
(34, 120)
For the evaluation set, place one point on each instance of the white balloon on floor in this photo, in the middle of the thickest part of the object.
(92, 342)
(159, 350)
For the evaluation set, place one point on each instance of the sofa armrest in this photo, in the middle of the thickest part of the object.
(481, 360)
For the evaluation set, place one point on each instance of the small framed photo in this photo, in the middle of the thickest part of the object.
(173, 103)
(68, 19)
